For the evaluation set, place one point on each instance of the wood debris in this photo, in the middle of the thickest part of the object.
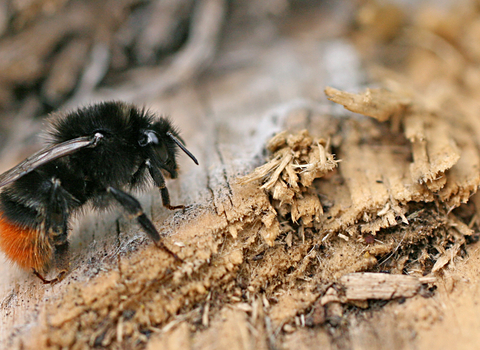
(380, 104)
(365, 286)
(297, 160)
(438, 144)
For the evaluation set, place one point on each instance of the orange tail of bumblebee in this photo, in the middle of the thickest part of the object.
(27, 247)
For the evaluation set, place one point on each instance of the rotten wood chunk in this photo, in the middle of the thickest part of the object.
(380, 104)
(381, 286)
(297, 160)
(445, 158)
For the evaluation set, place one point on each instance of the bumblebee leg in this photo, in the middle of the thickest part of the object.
(59, 277)
(139, 174)
(56, 225)
(62, 258)
(160, 182)
(134, 210)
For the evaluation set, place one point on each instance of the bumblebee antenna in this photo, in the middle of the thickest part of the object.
(184, 149)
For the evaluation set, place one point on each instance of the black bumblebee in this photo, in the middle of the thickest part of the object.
(95, 154)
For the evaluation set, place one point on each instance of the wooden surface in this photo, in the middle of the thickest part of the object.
(257, 86)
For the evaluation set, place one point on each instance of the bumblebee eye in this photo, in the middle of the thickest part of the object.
(148, 137)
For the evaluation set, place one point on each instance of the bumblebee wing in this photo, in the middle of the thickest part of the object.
(47, 155)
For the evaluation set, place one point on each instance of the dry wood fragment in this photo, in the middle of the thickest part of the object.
(438, 143)
(297, 160)
(376, 103)
(364, 286)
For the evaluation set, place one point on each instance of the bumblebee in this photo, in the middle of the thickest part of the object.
(94, 156)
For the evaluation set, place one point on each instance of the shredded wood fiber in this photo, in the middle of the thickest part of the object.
(297, 160)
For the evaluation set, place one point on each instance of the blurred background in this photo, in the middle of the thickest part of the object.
(59, 54)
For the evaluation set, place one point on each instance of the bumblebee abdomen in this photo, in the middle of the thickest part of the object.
(25, 246)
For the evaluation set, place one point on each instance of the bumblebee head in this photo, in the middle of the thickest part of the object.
(162, 142)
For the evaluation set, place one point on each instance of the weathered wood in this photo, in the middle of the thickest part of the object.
(235, 289)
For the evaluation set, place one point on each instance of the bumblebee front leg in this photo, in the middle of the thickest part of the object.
(134, 210)
(160, 182)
